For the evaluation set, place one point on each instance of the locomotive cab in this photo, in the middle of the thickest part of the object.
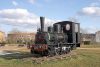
(72, 31)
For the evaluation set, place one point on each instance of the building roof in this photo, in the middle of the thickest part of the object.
(88, 35)
(1, 31)
(22, 33)
(98, 32)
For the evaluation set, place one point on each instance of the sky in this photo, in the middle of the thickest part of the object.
(24, 15)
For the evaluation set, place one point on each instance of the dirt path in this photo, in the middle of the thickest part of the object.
(5, 50)
(12, 48)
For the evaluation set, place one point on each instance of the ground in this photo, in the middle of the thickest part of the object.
(85, 56)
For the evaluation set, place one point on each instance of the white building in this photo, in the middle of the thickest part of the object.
(98, 37)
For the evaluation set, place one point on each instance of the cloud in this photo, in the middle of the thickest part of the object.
(21, 17)
(90, 11)
(18, 16)
(32, 1)
(37, 3)
(14, 3)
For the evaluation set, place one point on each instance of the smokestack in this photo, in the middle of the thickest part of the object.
(42, 19)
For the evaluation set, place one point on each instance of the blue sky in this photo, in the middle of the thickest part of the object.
(24, 14)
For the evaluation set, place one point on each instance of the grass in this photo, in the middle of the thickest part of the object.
(82, 58)
(91, 46)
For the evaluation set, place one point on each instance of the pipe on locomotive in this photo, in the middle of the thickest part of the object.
(42, 19)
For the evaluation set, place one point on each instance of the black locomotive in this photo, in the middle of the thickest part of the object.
(60, 38)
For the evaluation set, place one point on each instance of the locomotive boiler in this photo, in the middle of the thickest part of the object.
(59, 39)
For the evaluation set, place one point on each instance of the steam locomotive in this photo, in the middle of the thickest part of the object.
(59, 39)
